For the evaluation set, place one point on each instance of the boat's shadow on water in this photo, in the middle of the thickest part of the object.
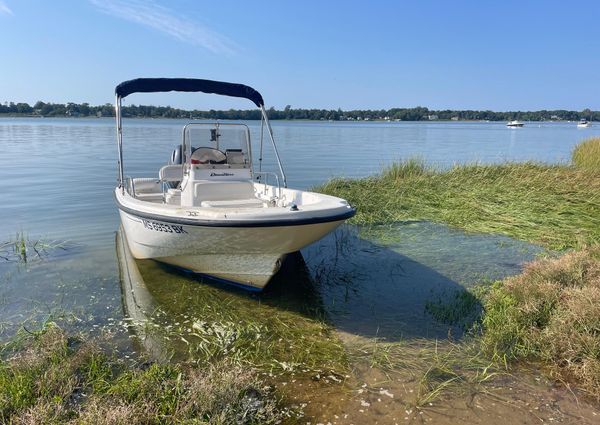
(368, 288)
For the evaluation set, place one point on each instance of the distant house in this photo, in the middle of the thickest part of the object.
(432, 117)
(454, 118)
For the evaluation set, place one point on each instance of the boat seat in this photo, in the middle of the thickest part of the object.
(146, 185)
(234, 203)
(171, 173)
(149, 197)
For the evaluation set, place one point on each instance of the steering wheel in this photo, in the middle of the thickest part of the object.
(205, 155)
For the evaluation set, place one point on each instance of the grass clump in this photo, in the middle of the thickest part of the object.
(22, 249)
(586, 155)
(554, 205)
(551, 312)
(51, 379)
(462, 308)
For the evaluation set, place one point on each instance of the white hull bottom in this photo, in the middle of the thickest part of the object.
(250, 270)
(247, 256)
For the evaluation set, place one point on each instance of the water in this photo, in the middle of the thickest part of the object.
(369, 283)
(59, 175)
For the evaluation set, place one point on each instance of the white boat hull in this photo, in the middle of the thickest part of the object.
(248, 256)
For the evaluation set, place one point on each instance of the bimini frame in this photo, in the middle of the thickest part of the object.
(153, 85)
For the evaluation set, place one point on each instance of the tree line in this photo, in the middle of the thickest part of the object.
(70, 109)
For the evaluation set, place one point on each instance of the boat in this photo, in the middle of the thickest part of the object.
(515, 124)
(583, 123)
(211, 209)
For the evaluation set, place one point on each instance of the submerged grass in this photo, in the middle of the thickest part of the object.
(435, 366)
(554, 205)
(205, 323)
(52, 379)
(463, 308)
(22, 249)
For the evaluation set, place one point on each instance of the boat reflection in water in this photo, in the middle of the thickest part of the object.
(137, 300)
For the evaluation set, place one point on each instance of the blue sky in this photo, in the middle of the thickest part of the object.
(504, 55)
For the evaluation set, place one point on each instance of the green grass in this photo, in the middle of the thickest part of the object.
(550, 312)
(22, 249)
(15, 249)
(51, 379)
(586, 155)
(557, 206)
(462, 308)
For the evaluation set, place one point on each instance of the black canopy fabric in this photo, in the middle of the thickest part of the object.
(149, 85)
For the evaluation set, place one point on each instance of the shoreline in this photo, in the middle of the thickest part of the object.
(90, 117)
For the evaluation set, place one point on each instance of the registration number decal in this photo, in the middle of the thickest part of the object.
(161, 227)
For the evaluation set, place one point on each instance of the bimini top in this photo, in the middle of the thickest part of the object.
(150, 85)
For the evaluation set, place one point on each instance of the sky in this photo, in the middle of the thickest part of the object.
(503, 55)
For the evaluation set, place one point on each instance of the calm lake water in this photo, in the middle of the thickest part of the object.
(59, 175)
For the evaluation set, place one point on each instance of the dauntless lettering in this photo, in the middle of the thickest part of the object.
(161, 227)
(221, 174)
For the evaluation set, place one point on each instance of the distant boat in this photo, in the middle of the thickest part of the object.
(514, 124)
(583, 123)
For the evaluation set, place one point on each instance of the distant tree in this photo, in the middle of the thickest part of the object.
(46, 109)
(23, 108)
(107, 110)
(84, 109)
